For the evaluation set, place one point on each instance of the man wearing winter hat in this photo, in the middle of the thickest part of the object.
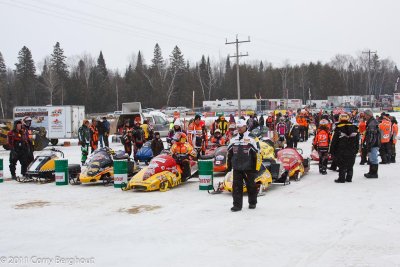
(371, 143)
(242, 159)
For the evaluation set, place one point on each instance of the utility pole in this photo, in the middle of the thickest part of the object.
(369, 52)
(116, 89)
(237, 56)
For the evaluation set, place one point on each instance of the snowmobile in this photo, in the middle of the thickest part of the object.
(163, 173)
(42, 168)
(100, 167)
(145, 154)
(293, 162)
(315, 156)
(263, 181)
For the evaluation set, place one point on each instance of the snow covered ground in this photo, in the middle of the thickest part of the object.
(313, 222)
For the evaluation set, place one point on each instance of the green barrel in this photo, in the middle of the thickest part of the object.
(1, 170)
(120, 173)
(61, 172)
(206, 174)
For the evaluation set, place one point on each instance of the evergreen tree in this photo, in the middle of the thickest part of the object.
(26, 77)
(158, 60)
(176, 73)
(101, 66)
(60, 68)
(139, 63)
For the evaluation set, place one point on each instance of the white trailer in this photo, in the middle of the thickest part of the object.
(60, 122)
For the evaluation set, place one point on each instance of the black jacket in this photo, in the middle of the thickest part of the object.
(372, 136)
(345, 140)
(157, 146)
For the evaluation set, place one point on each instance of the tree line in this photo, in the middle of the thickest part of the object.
(171, 81)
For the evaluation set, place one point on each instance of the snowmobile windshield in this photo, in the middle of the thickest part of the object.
(289, 157)
(99, 160)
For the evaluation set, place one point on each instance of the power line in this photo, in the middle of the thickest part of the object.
(237, 56)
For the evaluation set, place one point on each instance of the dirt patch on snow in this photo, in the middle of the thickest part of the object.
(139, 209)
(32, 204)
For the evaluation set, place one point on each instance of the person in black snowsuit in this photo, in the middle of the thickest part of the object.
(344, 147)
(293, 136)
(242, 159)
(18, 144)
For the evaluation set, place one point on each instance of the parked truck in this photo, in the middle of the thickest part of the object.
(60, 122)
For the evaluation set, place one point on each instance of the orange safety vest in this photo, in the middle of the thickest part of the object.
(385, 127)
(395, 130)
(322, 138)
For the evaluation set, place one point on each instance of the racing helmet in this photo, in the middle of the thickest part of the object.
(177, 123)
(344, 117)
(324, 122)
(27, 121)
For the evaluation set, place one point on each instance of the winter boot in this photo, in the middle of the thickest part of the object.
(234, 209)
(393, 158)
(14, 177)
(252, 206)
(341, 178)
(373, 171)
(349, 176)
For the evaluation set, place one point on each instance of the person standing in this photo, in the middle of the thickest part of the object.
(243, 151)
(321, 144)
(395, 130)
(27, 121)
(372, 142)
(94, 136)
(157, 144)
(101, 131)
(127, 138)
(138, 138)
(362, 127)
(106, 127)
(18, 144)
(293, 135)
(84, 140)
(344, 147)
(385, 129)
(261, 122)
(281, 131)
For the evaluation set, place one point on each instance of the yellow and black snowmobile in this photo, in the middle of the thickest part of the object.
(42, 168)
(100, 167)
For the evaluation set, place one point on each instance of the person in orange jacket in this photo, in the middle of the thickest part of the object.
(181, 152)
(362, 127)
(395, 131)
(385, 128)
(321, 143)
(94, 135)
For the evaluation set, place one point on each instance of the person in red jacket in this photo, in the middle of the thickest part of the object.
(18, 144)
(321, 144)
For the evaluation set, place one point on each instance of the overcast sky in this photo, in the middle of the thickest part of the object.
(294, 30)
